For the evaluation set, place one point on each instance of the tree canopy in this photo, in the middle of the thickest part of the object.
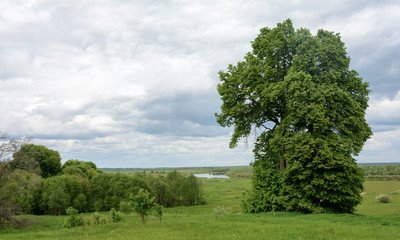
(297, 92)
(49, 161)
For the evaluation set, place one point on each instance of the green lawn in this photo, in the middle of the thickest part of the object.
(371, 206)
(373, 220)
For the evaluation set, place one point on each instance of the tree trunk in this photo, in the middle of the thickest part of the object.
(282, 162)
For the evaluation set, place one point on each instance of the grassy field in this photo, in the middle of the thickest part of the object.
(373, 220)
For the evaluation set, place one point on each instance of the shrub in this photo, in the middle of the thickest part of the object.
(383, 198)
(74, 220)
(116, 216)
(97, 219)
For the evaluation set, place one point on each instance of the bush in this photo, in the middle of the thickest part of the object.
(383, 198)
(116, 216)
(74, 220)
(97, 219)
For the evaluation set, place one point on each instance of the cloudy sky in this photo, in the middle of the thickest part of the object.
(133, 83)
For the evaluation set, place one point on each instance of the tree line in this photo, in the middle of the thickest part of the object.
(381, 172)
(384, 170)
(34, 181)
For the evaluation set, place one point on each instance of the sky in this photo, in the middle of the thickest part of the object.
(132, 84)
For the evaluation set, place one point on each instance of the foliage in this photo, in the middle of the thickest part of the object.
(84, 187)
(182, 190)
(97, 219)
(48, 160)
(74, 219)
(77, 167)
(16, 187)
(108, 190)
(62, 191)
(125, 208)
(158, 211)
(297, 90)
(22, 161)
(142, 203)
(57, 201)
(191, 194)
(80, 202)
(382, 169)
(382, 177)
(383, 198)
(19, 187)
(73, 170)
(116, 216)
(163, 191)
(100, 189)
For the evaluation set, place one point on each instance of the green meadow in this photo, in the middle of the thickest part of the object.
(373, 220)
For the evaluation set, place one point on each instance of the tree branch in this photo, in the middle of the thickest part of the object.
(266, 127)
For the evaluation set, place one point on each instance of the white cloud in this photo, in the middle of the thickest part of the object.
(384, 112)
(147, 150)
(383, 115)
(384, 146)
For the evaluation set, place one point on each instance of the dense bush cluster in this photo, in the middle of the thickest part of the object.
(104, 191)
(28, 187)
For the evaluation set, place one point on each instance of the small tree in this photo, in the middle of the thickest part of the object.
(116, 216)
(74, 220)
(142, 203)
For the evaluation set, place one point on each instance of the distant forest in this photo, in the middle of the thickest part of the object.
(372, 171)
(382, 171)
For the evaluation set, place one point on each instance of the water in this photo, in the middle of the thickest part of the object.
(207, 175)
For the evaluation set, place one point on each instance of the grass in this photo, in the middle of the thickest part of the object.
(373, 220)
(371, 206)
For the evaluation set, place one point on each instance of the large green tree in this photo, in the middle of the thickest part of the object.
(296, 90)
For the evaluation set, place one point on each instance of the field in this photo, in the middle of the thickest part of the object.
(373, 220)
